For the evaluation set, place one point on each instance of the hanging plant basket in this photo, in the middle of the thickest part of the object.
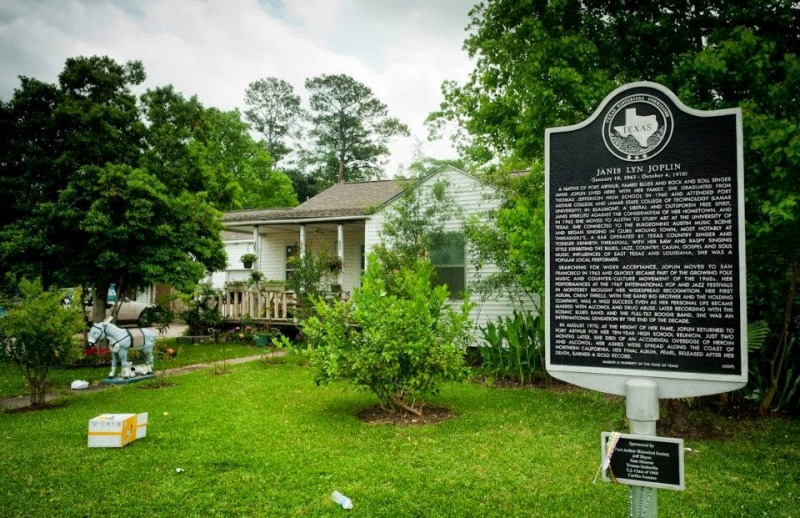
(335, 264)
(248, 260)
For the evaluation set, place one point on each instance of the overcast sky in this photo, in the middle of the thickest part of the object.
(401, 49)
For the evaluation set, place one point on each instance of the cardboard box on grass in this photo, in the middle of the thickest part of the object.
(116, 430)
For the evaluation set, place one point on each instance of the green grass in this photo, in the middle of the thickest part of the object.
(13, 384)
(262, 440)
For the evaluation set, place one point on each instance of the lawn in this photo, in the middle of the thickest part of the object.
(13, 384)
(263, 440)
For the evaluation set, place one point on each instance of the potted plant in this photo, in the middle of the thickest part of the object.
(255, 279)
(272, 285)
(334, 264)
(248, 260)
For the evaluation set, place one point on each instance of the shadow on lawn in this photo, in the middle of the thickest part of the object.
(38, 408)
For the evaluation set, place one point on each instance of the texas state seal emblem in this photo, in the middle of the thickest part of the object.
(637, 127)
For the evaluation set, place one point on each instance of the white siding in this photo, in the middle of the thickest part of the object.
(353, 243)
(235, 270)
(372, 229)
(217, 279)
(145, 295)
(273, 254)
(473, 197)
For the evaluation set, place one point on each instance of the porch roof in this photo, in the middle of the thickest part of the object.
(356, 199)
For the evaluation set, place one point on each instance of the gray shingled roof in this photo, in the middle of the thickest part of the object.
(227, 235)
(340, 200)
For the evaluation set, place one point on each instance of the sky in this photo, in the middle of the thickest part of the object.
(402, 49)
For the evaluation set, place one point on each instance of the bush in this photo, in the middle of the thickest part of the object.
(38, 332)
(202, 315)
(94, 356)
(396, 337)
(314, 276)
(241, 335)
(159, 316)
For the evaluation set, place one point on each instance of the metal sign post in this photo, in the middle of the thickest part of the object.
(641, 409)
(645, 284)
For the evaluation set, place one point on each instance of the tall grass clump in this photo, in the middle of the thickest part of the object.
(513, 349)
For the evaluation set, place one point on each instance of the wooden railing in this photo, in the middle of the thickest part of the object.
(266, 305)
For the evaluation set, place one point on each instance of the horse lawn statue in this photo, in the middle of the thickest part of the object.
(120, 341)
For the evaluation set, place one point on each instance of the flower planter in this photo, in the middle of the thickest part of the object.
(248, 260)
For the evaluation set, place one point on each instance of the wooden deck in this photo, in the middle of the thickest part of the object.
(266, 306)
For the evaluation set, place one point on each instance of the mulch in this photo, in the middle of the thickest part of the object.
(430, 415)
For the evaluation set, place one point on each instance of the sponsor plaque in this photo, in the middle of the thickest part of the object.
(643, 460)
(645, 246)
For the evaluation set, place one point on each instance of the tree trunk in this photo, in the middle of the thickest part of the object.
(398, 402)
(98, 305)
(676, 417)
(37, 397)
(37, 385)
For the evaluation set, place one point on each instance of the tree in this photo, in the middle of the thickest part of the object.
(351, 129)
(510, 236)
(54, 133)
(230, 153)
(545, 64)
(264, 187)
(423, 166)
(183, 140)
(275, 112)
(315, 275)
(415, 223)
(111, 199)
(534, 69)
(305, 186)
(397, 340)
(38, 332)
(141, 233)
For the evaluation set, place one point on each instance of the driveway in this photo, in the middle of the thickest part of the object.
(173, 331)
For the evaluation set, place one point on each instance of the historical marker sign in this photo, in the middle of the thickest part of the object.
(645, 246)
(643, 460)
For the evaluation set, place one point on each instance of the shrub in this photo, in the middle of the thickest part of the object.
(314, 276)
(398, 339)
(241, 335)
(159, 316)
(94, 356)
(202, 315)
(38, 332)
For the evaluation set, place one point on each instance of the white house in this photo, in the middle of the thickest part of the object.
(348, 218)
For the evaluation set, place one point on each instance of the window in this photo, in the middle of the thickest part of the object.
(449, 262)
(292, 251)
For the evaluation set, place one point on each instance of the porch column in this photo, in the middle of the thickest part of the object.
(302, 240)
(257, 247)
(366, 253)
(340, 251)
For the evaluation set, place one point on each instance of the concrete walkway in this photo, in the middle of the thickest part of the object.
(22, 401)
